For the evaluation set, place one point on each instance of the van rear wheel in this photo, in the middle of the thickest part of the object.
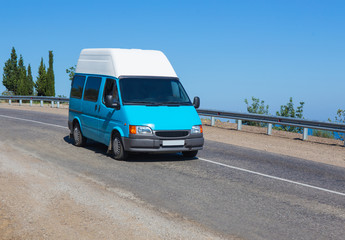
(118, 149)
(79, 139)
(190, 154)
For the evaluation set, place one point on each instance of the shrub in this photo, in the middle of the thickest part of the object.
(257, 107)
(323, 133)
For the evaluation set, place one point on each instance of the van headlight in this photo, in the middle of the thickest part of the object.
(140, 130)
(196, 129)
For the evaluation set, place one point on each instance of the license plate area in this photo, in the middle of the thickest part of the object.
(173, 143)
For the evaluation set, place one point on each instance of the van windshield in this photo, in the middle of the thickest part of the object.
(153, 91)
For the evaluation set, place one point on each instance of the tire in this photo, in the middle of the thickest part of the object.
(190, 154)
(119, 152)
(79, 139)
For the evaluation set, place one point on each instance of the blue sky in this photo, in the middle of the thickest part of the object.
(223, 51)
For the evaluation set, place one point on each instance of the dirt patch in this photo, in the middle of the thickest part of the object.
(324, 150)
(40, 200)
(62, 110)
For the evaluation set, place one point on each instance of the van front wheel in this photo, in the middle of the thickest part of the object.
(118, 149)
(190, 154)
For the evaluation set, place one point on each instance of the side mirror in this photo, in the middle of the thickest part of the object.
(196, 102)
(110, 103)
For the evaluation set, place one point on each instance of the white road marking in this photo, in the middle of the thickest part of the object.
(33, 121)
(272, 177)
(209, 161)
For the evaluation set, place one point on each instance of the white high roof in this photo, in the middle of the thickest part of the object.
(124, 62)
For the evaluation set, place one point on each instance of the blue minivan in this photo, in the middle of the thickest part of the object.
(132, 101)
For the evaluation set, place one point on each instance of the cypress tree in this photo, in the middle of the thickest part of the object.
(10, 74)
(41, 82)
(50, 76)
(21, 82)
(29, 82)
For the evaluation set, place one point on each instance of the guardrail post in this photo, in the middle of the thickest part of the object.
(212, 121)
(58, 104)
(30, 102)
(52, 104)
(41, 103)
(269, 129)
(20, 102)
(239, 125)
(305, 134)
(10, 101)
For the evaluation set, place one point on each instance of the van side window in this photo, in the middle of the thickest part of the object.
(110, 88)
(77, 86)
(92, 88)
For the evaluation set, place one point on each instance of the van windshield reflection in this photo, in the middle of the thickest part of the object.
(153, 92)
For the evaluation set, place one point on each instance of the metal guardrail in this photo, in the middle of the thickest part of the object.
(42, 99)
(270, 120)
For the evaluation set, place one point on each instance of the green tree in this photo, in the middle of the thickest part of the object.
(10, 73)
(340, 118)
(15, 77)
(29, 82)
(71, 71)
(299, 111)
(21, 82)
(50, 76)
(256, 107)
(288, 110)
(41, 82)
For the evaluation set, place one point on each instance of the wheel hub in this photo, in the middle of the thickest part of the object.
(116, 146)
(76, 135)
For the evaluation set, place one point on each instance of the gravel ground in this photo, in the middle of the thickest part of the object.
(324, 150)
(40, 200)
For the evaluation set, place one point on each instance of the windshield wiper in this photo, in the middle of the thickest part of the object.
(169, 104)
(175, 103)
(143, 103)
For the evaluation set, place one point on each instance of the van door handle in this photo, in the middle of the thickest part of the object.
(96, 107)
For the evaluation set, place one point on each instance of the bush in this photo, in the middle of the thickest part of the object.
(7, 93)
(288, 110)
(257, 107)
(340, 118)
(323, 134)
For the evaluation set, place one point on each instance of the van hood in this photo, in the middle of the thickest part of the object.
(162, 117)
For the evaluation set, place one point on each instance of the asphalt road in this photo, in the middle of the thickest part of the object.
(231, 190)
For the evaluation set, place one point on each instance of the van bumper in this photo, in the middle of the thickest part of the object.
(154, 144)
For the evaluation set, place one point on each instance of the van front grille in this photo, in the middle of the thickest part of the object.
(172, 133)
